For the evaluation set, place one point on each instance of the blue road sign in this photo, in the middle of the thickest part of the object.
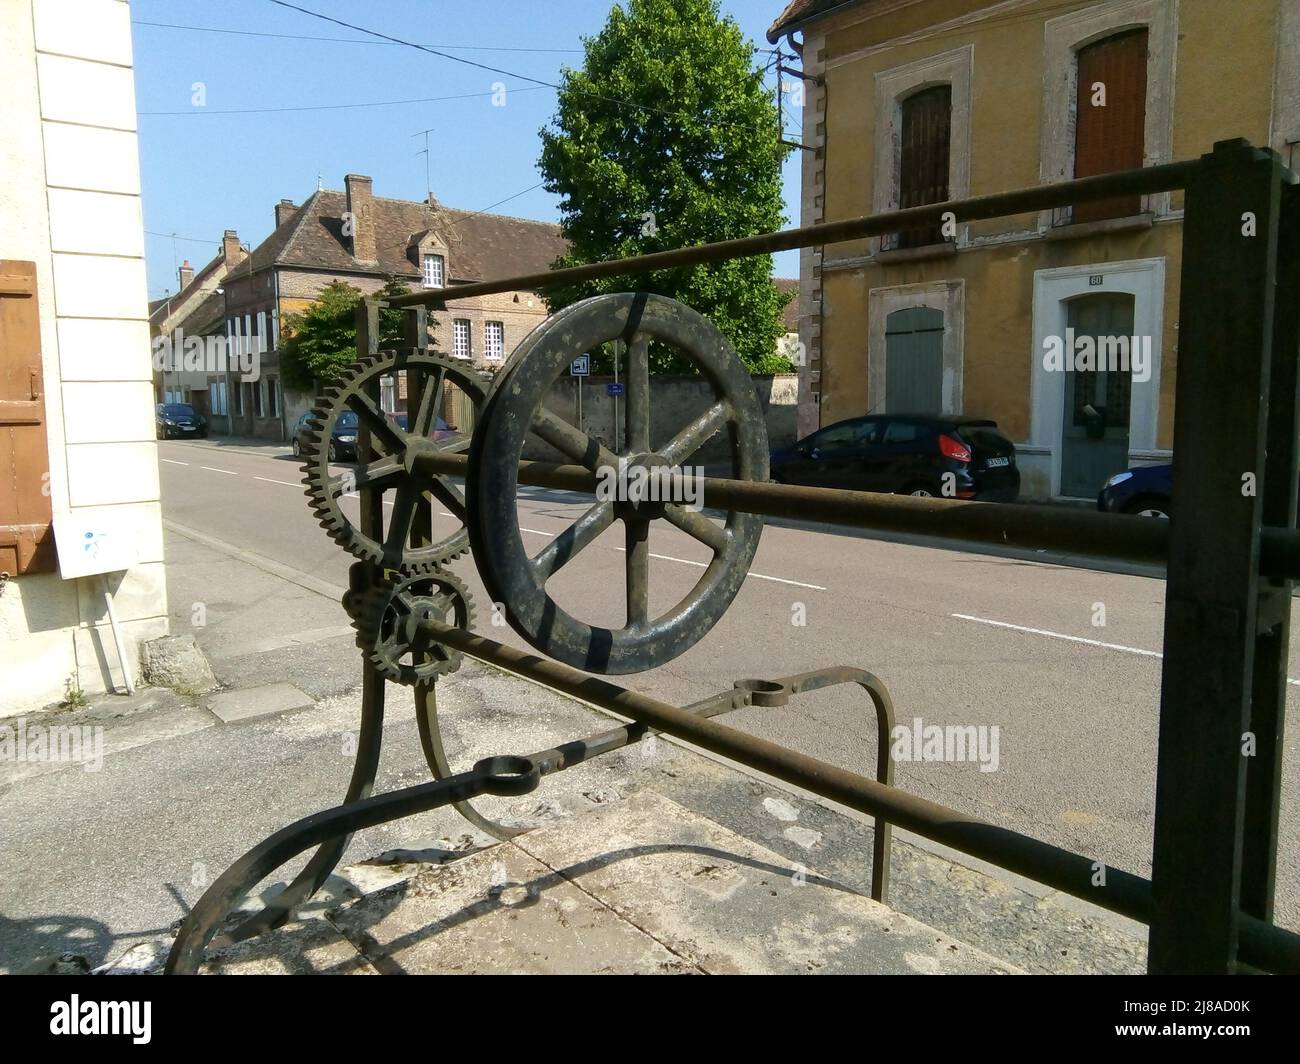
(614, 388)
(581, 366)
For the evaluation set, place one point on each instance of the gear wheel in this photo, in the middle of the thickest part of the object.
(387, 615)
(397, 469)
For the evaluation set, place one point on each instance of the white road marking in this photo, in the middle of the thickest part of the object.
(756, 576)
(1073, 638)
(286, 483)
(228, 472)
(172, 461)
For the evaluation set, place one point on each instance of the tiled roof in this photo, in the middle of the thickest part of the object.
(480, 246)
(798, 12)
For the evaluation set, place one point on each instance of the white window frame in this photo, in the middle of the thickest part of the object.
(892, 87)
(488, 352)
(1063, 37)
(430, 259)
(463, 326)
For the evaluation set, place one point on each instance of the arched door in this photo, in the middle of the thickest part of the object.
(914, 361)
(1095, 425)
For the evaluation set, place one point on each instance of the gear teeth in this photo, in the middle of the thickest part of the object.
(368, 606)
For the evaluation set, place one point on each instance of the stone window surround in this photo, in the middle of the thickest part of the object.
(946, 296)
(1062, 38)
(892, 87)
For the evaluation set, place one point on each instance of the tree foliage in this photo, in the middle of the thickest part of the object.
(318, 343)
(697, 159)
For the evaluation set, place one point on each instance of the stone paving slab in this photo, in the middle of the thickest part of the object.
(498, 912)
(253, 702)
(312, 947)
(641, 886)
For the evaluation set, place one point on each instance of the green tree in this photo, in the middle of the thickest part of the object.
(321, 341)
(697, 159)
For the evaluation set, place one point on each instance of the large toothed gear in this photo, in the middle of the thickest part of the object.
(387, 617)
(400, 472)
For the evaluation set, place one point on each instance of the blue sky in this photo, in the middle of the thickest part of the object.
(203, 172)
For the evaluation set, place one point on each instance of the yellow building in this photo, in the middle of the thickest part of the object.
(911, 102)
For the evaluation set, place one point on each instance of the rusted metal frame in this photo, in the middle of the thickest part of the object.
(1212, 581)
(1164, 178)
(1262, 944)
(1002, 524)
(1278, 509)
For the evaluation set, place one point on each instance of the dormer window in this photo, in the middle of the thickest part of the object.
(435, 271)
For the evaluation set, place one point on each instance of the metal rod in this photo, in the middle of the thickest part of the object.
(1164, 178)
(1117, 536)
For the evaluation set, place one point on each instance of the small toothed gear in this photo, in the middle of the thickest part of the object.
(399, 467)
(387, 618)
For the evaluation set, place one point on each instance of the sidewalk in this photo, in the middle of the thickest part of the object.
(103, 864)
(250, 444)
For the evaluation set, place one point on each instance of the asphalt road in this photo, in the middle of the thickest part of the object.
(958, 638)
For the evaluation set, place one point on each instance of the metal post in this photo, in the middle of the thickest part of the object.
(1278, 506)
(1225, 334)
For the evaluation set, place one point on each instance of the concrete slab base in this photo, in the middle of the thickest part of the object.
(641, 886)
(232, 706)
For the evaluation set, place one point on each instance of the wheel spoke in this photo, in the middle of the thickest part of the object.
(697, 433)
(370, 475)
(697, 526)
(572, 442)
(449, 495)
(376, 421)
(399, 525)
(430, 399)
(638, 572)
(638, 394)
(581, 534)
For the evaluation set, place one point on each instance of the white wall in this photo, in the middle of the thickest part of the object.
(70, 202)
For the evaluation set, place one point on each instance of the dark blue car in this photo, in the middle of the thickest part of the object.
(1143, 490)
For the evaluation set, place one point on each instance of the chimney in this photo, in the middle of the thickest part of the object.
(284, 210)
(231, 252)
(361, 209)
(186, 273)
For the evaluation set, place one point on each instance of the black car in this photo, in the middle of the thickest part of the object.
(905, 454)
(1142, 490)
(343, 440)
(179, 420)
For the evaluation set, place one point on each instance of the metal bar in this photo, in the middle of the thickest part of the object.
(1225, 327)
(1263, 944)
(1004, 524)
(882, 834)
(1278, 506)
(1164, 178)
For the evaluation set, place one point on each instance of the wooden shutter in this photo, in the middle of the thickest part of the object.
(26, 538)
(1111, 138)
(926, 133)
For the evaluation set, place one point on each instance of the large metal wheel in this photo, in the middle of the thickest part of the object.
(517, 580)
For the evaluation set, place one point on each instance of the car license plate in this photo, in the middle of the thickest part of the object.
(997, 463)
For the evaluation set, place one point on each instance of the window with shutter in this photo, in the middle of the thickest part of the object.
(26, 539)
(925, 133)
(1110, 117)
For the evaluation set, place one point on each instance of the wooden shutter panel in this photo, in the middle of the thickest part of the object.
(26, 539)
(926, 133)
(1112, 137)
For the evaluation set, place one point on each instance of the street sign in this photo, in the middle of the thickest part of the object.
(581, 366)
(614, 388)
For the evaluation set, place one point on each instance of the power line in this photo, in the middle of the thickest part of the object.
(480, 66)
(186, 239)
(321, 106)
(342, 40)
